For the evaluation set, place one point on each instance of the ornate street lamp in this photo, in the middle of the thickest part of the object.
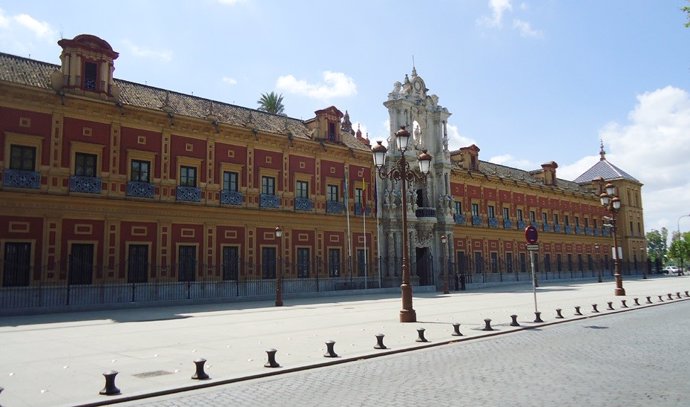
(444, 264)
(610, 201)
(279, 276)
(401, 171)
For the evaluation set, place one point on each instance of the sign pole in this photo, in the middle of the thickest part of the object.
(534, 279)
(532, 236)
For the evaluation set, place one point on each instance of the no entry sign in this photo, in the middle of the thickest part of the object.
(531, 235)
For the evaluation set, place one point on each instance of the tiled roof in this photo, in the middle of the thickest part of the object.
(37, 74)
(606, 170)
(511, 173)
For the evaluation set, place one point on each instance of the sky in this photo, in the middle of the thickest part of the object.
(528, 82)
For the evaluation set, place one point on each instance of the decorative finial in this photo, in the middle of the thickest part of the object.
(414, 70)
(602, 153)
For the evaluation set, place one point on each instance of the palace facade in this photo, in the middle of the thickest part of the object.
(106, 181)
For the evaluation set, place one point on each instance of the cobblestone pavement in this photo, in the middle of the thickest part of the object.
(635, 358)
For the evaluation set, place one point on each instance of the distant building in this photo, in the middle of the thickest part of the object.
(106, 181)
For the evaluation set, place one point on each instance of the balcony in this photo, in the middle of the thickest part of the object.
(269, 201)
(228, 197)
(545, 227)
(140, 189)
(359, 210)
(521, 224)
(568, 229)
(476, 220)
(578, 230)
(334, 207)
(588, 231)
(493, 223)
(303, 204)
(21, 179)
(507, 224)
(88, 185)
(425, 212)
(459, 219)
(188, 194)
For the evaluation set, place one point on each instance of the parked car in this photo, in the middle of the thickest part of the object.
(671, 270)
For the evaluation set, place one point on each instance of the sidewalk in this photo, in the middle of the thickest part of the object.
(58, 359)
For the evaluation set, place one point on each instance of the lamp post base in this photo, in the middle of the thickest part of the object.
(619, 291)
(408, 315)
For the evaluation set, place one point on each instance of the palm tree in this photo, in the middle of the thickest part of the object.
(271, 103)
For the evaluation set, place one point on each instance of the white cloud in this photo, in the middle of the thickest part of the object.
(498, 8)
(510, 161)
(231, 2)
(457, 140)
(653, 146)
(136, 50)
(335, 84)
(40, 29)
(230, 81)
(525, 29)
(4, 21)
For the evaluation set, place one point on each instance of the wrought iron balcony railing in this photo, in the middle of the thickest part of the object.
(89, 185)
(269, 201)
(228, 197)
(140, 189)
(188, 194)
(21, 179)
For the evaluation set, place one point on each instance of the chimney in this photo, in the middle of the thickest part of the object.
(549, 173)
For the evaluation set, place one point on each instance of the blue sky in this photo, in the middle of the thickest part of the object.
(527, 81)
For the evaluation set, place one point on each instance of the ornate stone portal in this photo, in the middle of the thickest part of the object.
(429, 214)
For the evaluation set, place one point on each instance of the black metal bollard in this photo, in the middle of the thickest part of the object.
(330, 353)
(686, 294)
(678, 295)
(379, 342)
(660, 299)
(594, 308)
(558, 313)
(623, 304)
(577, 310)
(271, 358)
(537, 316)
(649, 300)
(420, 335)
(487, 325)
(456, 329)
(637, 301)
(670, 297)
(200, 374)
(514, 322)
(610, 303)
(110, 389)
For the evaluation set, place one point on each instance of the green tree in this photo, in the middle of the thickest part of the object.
(272, 103)
(686, 10)
(680, 248)
(657, 247)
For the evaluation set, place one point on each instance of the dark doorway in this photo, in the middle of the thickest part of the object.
(424, 266)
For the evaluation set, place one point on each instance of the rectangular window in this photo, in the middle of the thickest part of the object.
(595, 223)
(506, 214)
(586, 222)
(186, 263)
(632, 231)
(268, 185)
(334, 262)
(302, 189)
(230, 181)
(231, 262)
(268, 262)
(590, 262)
(90, 76)
(458, 207)
(519, 215)
(577, 221)
(140, 171)
(523, 263)
(81, 264)
(494, 262)
(332, 192)
(545, 218)
(303, 262)
(85, 165)
(361, 262)
(509, 262)
(492, 212)
(331, 131)
(579, 262)
(570, 262)
(478, 262)
(137, 263)
(22, 158)
(559, 263)
(547, 263)
(187, 176)
(475, 209)
(555, 219)
(358, 196)
(16, 264)
(462, 263)
(567, 220)
(532, 216)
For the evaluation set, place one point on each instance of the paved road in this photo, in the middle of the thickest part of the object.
(637, 358)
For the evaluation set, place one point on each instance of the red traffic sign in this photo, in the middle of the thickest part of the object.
(531, 235)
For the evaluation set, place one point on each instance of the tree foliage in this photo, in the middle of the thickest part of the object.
(272, 103)
(686, 10)
(656, 244)
(680, 247)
